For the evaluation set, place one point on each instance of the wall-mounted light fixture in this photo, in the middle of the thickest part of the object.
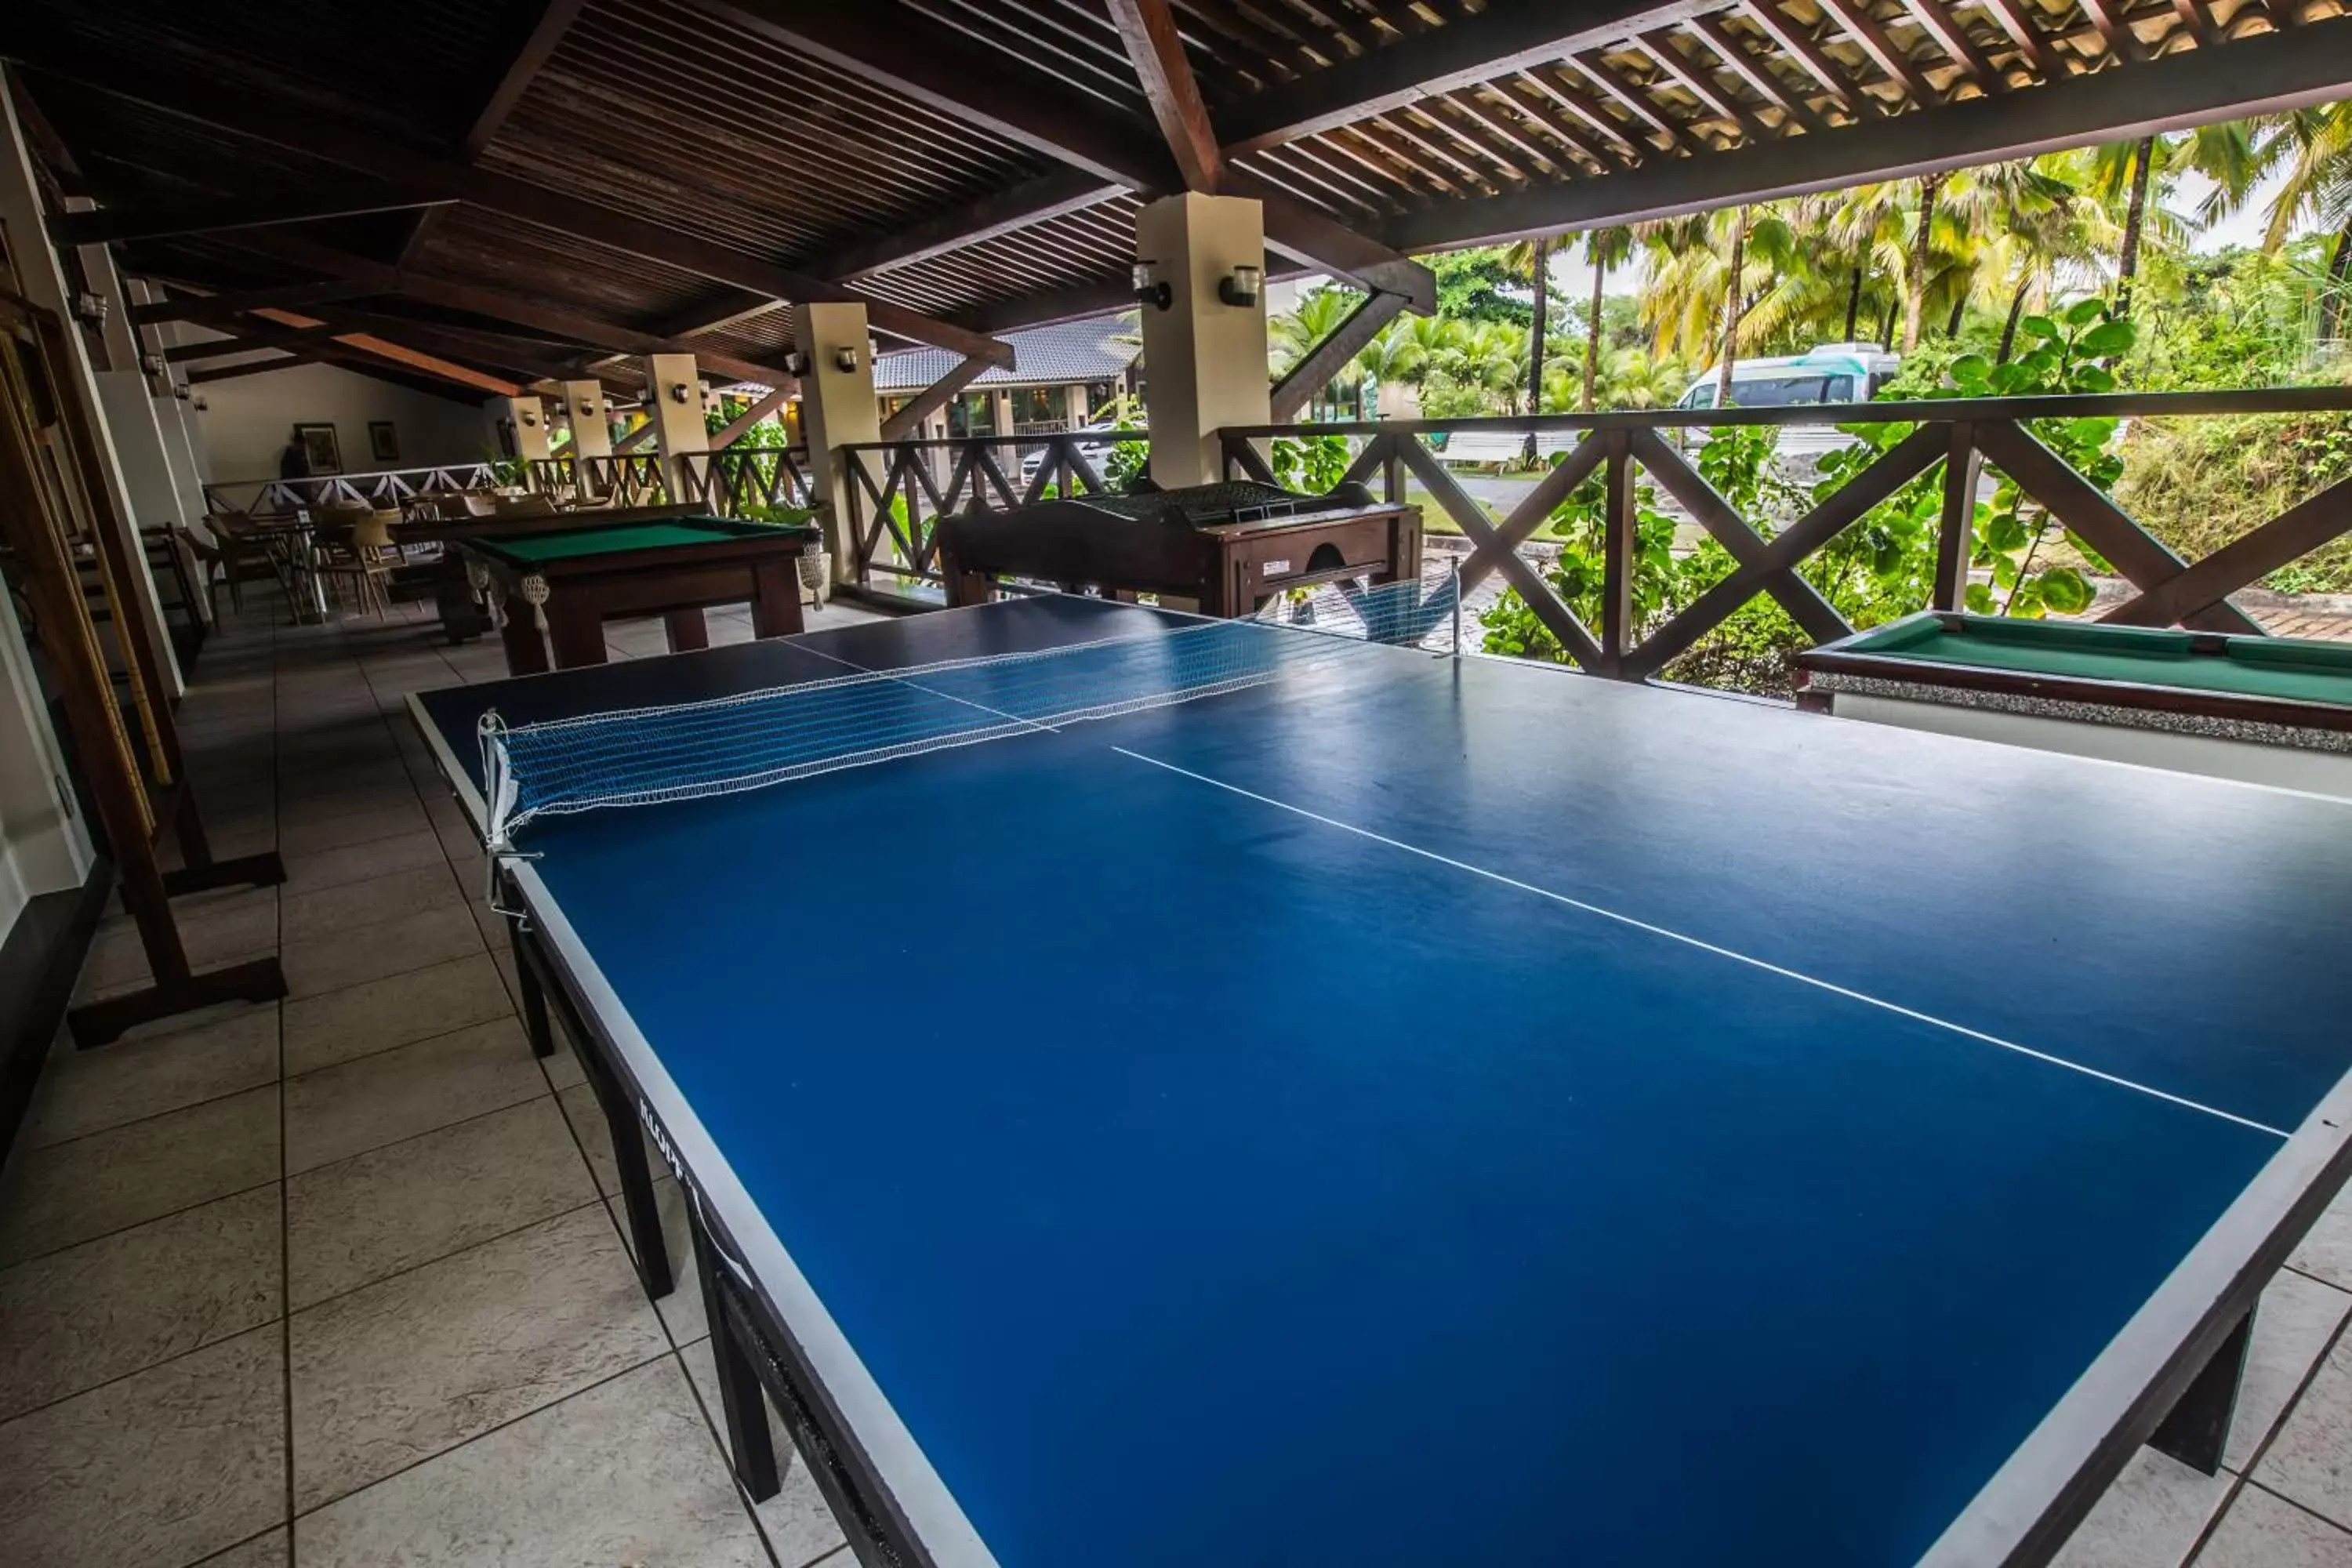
(678, 393)
(89, 307)
(198, 403)
(529, 419)
(555, 406)
(151, 363)
(180, 390)
(844, 359)
(1151, 288)
(1243, 286)
(587, 410)
(797, 363)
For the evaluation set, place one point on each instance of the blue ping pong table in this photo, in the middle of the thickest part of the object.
(1447, 1112)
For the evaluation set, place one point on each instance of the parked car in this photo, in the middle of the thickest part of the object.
(1095, 443)
(1833, 373)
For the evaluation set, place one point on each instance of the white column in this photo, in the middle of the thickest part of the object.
(584, 405)
(837, 410)
(45, 285)
(43, 846)
(1206, 359)
(528, 416)
(674, 402)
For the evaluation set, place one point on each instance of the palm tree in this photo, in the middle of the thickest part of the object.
(2311, 149)
(1291, 337)
(1604, 248)
(1534, 256)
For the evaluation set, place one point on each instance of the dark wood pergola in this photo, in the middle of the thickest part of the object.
(533, 189)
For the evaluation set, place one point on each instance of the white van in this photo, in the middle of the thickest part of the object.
(1833, 373)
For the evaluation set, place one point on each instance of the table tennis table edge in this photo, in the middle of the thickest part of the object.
(860, 1420)
(2020, 1519)
(2023, 1515)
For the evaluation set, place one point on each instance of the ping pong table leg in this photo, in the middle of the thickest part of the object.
(534, 995)
(2198, 1430)
(750, 1445)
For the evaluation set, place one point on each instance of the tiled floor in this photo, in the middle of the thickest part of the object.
(337, 1281)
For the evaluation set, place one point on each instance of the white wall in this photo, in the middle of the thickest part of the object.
(246, 421)
(42, 850)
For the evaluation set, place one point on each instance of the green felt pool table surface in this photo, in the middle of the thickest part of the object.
(621, 538)
(2288, 669)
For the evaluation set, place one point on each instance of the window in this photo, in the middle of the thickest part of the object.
(1784, 391)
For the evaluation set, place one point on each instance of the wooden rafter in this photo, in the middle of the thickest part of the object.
(1801, 47)
(206, 309)
(1629, 93)
(402, 355)
(107, 225)
(287, 125)
(1755, 73)
(1149, 30)
(1659, 44)
(245, 343)
(520, 66)
(2016, 19)
(1883, 51)
(1952, 37)
(1327, 359)
(2269, 73)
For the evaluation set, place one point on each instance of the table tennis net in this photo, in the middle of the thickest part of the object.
(644, 756)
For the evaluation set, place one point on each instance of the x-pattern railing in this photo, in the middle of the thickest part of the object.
(1960, 435)
(385, 488)
(981, 473)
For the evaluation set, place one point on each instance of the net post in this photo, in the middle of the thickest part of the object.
(1456, 569)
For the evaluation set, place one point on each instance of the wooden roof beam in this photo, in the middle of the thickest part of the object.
(1883, 52)
(211, 309)
(878, 42)
(1506, 37)
(1952, 37)
(1755, 73)
(246, 343)
(521, 63)
(2016, 19)
(282, 124)
(497, 304)
(1800, 46)
(1149, 30)
(1659, 44)
(2269, 73)
(406, 357)
(108, 226)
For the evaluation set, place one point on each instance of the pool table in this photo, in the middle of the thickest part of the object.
(552, 590)
(2267, 710)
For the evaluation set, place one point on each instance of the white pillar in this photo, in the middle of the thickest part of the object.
(584, 405)
(1205, 359)
(529, 414)
(673, 404)
(1074, 403)
(837, 410)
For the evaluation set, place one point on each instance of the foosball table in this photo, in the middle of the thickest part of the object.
(1229, 546)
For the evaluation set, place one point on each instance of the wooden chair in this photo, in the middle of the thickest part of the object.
(235, 546)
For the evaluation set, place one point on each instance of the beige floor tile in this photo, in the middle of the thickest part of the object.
(117, 958)
(377, 1014)
(2150, 1518)
(320, 965)
(73, 1319)
(158, 1470)
(271, 1551)
(625, 1473)
(401, 1370)
(330, 911)
(88, 1091)
(360, 862)
(357, 827)
(380, 788)
(71, 1191)
(2263, 1531)
(2310, 1460)
(2297, 1318)
(348, 1109)
(359, 1219)
(800, 1527)
(2326, 1252)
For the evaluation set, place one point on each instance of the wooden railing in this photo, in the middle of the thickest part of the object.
(1958, 435)
(386, 487)
(731, 482)
(897, 488)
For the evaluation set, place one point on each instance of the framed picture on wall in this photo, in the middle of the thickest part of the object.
(384, 441)
(318, 445)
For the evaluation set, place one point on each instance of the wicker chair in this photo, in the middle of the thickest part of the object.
(361, 554)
